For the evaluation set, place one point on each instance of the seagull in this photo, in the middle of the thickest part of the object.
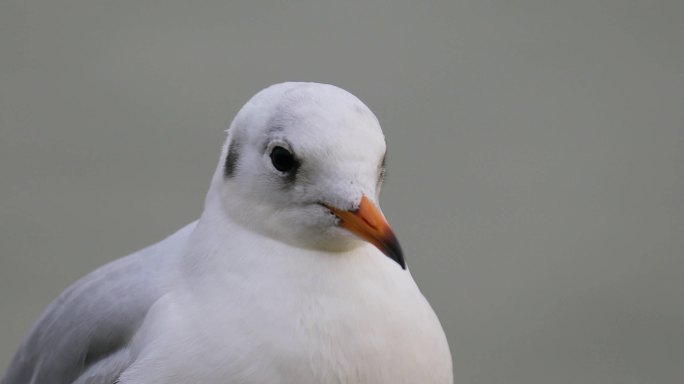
(290, 275)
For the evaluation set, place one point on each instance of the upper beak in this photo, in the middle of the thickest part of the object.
(368, 223)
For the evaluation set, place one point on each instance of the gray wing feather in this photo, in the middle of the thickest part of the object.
(83, 336)
(107, 371)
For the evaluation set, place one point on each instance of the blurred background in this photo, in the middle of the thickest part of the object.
(536, 164)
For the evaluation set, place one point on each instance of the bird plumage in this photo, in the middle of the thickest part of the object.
(269, 285)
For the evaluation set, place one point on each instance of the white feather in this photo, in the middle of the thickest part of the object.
(266, 287)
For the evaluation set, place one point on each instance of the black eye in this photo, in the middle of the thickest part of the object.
(283, 160)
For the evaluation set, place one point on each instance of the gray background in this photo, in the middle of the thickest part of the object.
(536, 168)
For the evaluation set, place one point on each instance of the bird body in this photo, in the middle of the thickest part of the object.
(290, 275)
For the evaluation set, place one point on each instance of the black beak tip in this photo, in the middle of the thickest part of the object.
(392, 249)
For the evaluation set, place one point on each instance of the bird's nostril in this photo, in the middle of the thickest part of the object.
(373, 225)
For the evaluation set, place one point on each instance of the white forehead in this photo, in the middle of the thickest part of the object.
(310, 117)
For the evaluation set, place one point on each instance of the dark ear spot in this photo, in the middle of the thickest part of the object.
(231, 159)
(382, 171)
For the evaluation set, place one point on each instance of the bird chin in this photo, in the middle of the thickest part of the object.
(337, 239)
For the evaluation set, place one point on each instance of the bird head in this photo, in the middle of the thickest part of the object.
(303, 163)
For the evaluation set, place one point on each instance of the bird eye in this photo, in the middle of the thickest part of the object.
(283, 160)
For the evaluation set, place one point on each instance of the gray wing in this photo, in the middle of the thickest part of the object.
(83, 336)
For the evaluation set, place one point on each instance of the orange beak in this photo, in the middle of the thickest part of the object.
(368, 223)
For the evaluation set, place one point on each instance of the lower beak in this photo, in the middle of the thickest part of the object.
(368, 223)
